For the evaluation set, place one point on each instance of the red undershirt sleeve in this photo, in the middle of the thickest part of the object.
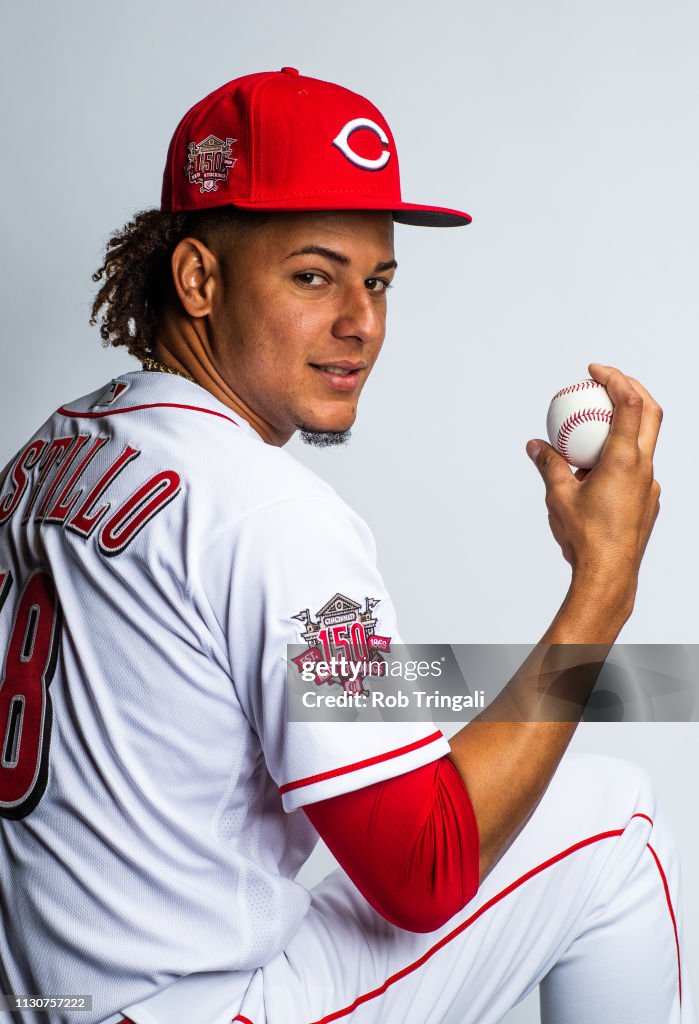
(410, 844)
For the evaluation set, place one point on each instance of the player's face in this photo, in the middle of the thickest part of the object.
(300, 317)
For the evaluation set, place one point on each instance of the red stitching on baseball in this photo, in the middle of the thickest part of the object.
(584, 385)
(574, 420)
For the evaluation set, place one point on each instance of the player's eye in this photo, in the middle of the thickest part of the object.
(377, 284)
(308, 279)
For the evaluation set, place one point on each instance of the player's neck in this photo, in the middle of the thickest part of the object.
(184, 344)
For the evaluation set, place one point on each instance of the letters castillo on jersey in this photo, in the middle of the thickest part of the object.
(343, 636)
(63, 490)
(52, 471)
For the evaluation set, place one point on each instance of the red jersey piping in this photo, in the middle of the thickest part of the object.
(345, 769)
(666, 887)
(136, 408)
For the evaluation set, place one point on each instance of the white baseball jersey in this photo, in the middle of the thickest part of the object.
(156, 558)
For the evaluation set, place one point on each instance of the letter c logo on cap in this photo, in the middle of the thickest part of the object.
(342, 143)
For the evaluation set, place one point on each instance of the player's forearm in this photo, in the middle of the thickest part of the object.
(508, 754)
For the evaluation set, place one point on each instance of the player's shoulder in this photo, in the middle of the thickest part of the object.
(178, 425)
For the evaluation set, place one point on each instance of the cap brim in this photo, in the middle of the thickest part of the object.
(403, 213)
(430, 216)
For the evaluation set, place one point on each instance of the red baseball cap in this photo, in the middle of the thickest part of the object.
(280, 141)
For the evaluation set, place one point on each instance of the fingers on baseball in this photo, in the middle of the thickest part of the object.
(553, 467)
(650, 422)
(623, 444)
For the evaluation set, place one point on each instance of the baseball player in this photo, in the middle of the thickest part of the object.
(158, 552)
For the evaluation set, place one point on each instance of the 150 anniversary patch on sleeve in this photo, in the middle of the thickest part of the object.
(343, 645)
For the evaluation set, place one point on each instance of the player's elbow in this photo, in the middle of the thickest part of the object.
(426, 912)
(421, 922)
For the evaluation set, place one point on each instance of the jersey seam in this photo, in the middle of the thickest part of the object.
(263, 506)
(234, 524)
(231, 527)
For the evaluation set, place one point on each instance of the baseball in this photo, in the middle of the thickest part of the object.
(578, 422)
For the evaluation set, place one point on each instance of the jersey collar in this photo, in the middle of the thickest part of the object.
(148, 387)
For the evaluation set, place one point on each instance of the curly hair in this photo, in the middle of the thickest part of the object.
(137, 274)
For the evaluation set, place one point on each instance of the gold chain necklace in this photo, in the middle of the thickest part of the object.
(155, 364)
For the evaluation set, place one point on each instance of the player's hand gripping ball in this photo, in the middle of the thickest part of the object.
(578, 422)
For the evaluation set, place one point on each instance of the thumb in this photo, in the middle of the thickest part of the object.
(552, 466)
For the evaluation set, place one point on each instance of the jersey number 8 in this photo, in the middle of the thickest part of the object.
(25, 704)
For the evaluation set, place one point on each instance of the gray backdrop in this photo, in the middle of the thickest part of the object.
(567, 129)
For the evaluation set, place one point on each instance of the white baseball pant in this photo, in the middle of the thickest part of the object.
(585, 903)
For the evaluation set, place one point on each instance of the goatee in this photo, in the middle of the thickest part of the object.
(324, 438)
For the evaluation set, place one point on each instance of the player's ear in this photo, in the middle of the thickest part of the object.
(195, 273)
